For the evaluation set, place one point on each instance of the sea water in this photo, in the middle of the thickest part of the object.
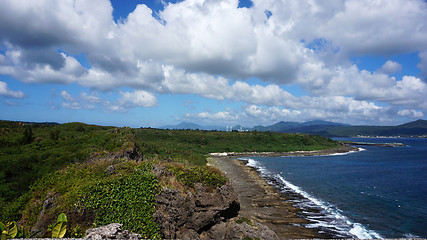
(377, 192)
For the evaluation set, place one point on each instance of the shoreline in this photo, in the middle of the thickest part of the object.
(261, 201)
(345, 148)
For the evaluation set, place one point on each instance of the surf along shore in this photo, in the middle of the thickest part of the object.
(263, 203)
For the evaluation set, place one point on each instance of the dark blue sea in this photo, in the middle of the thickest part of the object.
(377, 192)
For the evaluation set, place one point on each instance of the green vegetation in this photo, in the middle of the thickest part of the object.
(79, 170)
(191, 146)
(8, 230)
(189, 175)
(60, 227)
(129, 200)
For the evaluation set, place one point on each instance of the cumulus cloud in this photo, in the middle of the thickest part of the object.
(90, 101)
(410, 113)
(137, 99)
(6, 92)
(210, 48)
(390, 67)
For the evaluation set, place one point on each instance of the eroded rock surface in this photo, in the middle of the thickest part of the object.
(110, 231)
(187, 215)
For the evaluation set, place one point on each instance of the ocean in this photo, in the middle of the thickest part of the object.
(377, 192)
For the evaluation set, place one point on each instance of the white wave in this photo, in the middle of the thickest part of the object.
(346, 153)
(355, 229)
(340, 223)
(362, 233)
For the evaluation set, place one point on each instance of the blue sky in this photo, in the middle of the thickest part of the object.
(146, 63)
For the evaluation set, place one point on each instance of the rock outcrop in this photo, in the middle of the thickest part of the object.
(187, 215)
(111, 231)
(234, 230)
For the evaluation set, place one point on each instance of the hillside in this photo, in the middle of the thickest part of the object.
(91, 173)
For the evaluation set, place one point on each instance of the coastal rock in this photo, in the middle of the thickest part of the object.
(111, 231)
(186, 215)
(233, 230)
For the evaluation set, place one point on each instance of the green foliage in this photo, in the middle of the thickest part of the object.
(27, 135)
(60, 228)
(61, 218)
(21, 165)
(127, 200)
(76, 232)
(8, 230)
(189, 176)
(72, 167)
(192, 146)
(54, 135)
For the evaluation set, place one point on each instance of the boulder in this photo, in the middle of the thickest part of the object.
(111, 231)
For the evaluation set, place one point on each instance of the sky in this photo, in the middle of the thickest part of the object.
(143, 63)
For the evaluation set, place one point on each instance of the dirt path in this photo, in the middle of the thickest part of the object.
(261, 202)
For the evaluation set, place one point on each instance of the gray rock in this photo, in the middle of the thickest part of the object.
(185, 215)
(111, 231)
(233, 231)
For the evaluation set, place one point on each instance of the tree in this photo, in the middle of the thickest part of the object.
(28, 135)
(54, 135)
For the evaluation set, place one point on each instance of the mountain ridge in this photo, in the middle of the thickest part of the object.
(324, 128)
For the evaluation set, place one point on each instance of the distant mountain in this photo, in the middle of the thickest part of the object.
(323, 128)
(296, 127)
(411, 129)
(415, 124)
(193, 126)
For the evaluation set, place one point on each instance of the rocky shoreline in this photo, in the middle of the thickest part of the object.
(262, 202)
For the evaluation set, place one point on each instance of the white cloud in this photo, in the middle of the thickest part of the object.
(137, 99)
(410, 113)
(66, 96)
(6, 92)
(390, 67)
(210, 48)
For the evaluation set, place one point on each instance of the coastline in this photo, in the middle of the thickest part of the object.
(261, 201)
(345, 148)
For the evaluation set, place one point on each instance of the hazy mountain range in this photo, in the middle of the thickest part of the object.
(324, 128)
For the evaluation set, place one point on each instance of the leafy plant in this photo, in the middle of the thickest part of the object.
(28, 135)
(9, 230)
(60, 228)
(76, 232)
